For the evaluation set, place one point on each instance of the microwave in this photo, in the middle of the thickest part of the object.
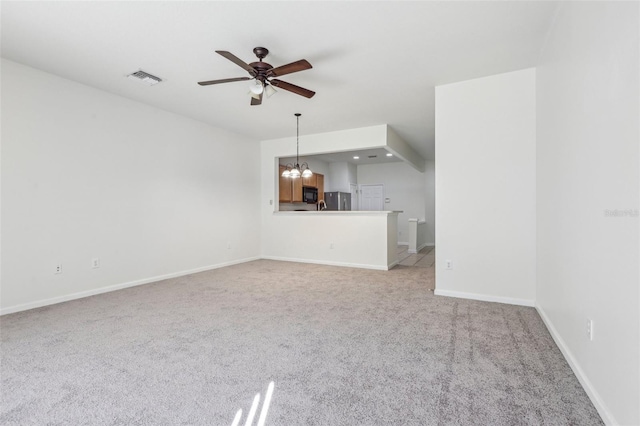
(309, 194)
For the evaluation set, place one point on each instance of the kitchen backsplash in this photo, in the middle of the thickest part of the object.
(288, 207)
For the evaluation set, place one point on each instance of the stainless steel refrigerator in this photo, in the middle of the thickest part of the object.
(338, 200)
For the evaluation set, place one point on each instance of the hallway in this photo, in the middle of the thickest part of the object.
(425, 258)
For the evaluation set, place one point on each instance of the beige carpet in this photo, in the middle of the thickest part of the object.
(343, 346)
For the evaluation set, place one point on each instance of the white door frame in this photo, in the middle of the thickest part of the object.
(355, 188)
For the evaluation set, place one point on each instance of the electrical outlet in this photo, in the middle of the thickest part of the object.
(95, 262)
(229, 246)
(448, 264)
(331, 246)
(58, 269)
(590, 329)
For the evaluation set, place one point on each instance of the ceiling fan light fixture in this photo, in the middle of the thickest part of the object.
(269, 90)
(256, 88)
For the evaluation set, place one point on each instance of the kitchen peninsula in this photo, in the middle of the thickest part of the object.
(362, 239)
(320, 227)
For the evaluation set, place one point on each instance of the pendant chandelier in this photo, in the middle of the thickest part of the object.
(296, 170)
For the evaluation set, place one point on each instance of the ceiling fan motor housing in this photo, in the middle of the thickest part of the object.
(261, 52)
(262, 69)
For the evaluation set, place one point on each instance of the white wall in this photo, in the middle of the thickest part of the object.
(399, 148)
(430, 201)
(88, 174)
(405, 188)
(485, 188)
(341, 175)
(588, 163)
(354, 239)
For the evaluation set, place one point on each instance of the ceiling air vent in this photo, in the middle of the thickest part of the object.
(145, 77)
(373, 156)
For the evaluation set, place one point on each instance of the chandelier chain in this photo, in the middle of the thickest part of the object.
(297, 139)
(297, 170)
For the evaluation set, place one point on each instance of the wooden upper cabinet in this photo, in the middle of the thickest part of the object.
(296, 190)
(285, 187)
(311, 181)
(320, 186)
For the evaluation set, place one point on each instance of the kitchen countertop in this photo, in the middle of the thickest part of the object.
(339, 212)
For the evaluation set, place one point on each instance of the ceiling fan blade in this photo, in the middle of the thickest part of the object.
(225, 80)
(255, 101)
(293, 88)
(296, 66)
(233, 58)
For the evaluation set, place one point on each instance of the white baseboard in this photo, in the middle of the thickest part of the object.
(403, 243)
(328, 262)
(597, 401)
(107, 289)
(485, 297)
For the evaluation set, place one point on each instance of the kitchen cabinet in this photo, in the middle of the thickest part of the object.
(320, 186)
(291, 189)
(285, 187)
(310, 181)
(296, 190)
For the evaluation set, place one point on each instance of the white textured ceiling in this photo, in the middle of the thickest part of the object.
(373, 62)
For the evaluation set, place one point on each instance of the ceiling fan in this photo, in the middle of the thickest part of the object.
(263, 75)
